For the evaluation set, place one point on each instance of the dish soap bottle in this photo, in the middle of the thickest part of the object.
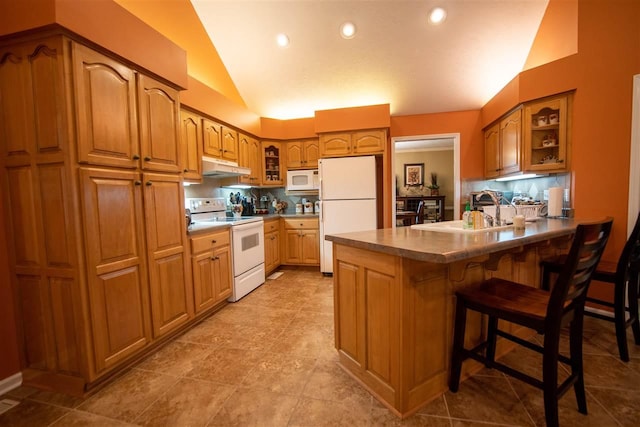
(467, 221)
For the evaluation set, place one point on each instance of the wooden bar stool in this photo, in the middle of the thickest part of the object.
(625, 278)
(547, 312)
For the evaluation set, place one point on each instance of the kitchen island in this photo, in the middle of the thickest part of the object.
(394, 300)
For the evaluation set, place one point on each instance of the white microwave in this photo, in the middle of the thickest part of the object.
(305, 179)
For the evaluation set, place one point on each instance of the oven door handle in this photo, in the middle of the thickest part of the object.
(248, 226)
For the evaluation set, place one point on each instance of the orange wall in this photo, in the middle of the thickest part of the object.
(367, 117)
(467, 123)
(9, 358)
(288, 129)
(94, 21)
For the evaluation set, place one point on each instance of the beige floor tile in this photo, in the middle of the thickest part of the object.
(437, 407)
(226, 365)
(384, 417)
(187, 403)
(30, 414)
(286, 375)
(86, 419)
(314, 412)
(252, 407)
(177, 358)
(56, 399)
(130, 395)
(609, 371)
(623, 405)
(329, 382)
(488, 399)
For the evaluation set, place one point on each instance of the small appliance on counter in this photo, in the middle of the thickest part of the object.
(308, 207)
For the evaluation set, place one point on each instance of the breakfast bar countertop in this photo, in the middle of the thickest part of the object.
(440, 247)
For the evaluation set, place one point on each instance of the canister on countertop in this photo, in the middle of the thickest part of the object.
(308, 207)
(299, 208)
(317, 207)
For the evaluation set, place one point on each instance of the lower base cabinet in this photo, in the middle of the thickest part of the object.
(301, 241)
(211, 264)
(271, 244)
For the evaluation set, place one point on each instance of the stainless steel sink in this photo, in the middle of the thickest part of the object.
(456, 227)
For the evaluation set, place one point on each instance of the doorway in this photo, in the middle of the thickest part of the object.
(414, 150)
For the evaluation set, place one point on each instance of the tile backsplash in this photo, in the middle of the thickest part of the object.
(533, 187)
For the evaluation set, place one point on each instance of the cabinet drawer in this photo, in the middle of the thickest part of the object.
(295, 223)
(272, 225)
(209, 241)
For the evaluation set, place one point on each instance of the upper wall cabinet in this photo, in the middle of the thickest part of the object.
(353, 143)
(273, 171)
(303, 154)
(191, 144)
(502, 146)
(546, 135)
(250, 156)
(220, 141)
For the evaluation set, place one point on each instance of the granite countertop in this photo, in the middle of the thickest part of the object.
(439, 247)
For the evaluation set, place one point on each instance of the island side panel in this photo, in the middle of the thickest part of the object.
(367, 318)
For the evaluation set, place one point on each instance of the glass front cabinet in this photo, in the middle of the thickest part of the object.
(547, 135)
(273, 173)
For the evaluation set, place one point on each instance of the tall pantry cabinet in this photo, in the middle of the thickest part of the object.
(92, 187)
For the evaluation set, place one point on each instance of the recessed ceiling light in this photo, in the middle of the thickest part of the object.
(282, 40)
(437, 15)
(348, 30)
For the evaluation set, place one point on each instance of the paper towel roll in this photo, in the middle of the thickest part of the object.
(555, 201)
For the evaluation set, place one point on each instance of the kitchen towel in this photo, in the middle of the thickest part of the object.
(555, 201)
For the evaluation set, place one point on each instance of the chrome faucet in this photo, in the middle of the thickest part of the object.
(496, 202)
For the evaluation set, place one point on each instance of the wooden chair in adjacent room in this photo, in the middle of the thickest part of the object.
(420, 213)
(546, 312)
(625, 278)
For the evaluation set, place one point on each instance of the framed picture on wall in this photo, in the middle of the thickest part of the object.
(413, 174)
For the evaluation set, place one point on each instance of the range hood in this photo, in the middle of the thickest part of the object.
(221, 168)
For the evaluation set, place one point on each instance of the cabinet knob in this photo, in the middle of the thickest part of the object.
(215, 258)
(136, 157)
(147, 158)
(148, 183)
(137, 182)
(214, 241)
(185, 170)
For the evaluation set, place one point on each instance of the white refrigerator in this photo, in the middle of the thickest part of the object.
(347, 200)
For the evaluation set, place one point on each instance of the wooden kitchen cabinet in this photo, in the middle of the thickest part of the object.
(250, 156)
(502, 145)
(220, 142)
(303, 154)
(191, 145)
(170, 289)
(272, 164)
(301, 241)
(113, 214)
(364, 142)
(211, 265)
(271, 244)
(96, 256)
(547, 134)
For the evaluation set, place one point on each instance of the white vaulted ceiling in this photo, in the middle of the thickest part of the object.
(396, 56)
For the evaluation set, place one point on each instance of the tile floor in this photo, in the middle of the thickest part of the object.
(269, 360)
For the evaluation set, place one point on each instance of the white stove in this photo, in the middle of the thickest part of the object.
(247, 242)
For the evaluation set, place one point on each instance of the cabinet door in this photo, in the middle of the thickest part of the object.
(492, 151)
(250, 156)
(272, 251)
(546, 136)
(212, 138)
(159, 109)
(203, 281)
(191, 143)
(311, 154)
(510, 143)
(371, 141)
(171, 297)
(295, 156)
(116, 268)
(222, 273)
(229, 144)
(335, 144)
(273, 173)
(105, 100)
(292, 247)
(310, 247)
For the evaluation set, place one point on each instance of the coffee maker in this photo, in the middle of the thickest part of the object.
(263, 207)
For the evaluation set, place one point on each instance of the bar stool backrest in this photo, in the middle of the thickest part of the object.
(630, 253)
